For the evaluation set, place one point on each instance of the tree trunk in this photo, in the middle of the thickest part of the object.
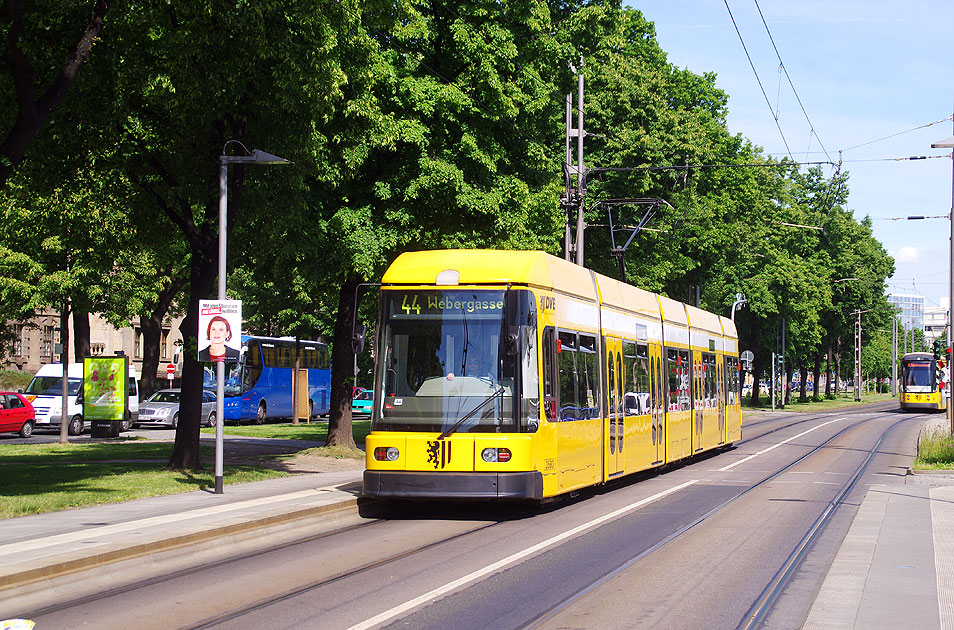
(803, 386)
(816, 375)
(787, 385)
(342, 368)
(151, 338)
(202, 274)
(838, 366)
(80, 331)
(151, 325)
(756, 371)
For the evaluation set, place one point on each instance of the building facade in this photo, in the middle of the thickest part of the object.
(35, 341)
(935, 322)
(911, 309)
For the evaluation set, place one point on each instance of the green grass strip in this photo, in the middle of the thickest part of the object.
(935, 451)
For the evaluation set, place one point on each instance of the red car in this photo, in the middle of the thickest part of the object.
(16, 414)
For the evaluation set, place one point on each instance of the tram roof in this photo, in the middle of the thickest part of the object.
(540, 269)
(483, 266)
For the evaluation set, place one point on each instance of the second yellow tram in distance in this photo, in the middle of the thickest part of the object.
(519, 375)
(922, 383)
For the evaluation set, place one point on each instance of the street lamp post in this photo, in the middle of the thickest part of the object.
(948, 143)
(254, 157)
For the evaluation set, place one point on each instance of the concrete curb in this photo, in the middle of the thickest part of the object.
(32, 573)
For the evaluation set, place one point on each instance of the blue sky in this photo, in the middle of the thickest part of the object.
(863, 71)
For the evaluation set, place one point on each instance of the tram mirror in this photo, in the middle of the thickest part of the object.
(512, 342)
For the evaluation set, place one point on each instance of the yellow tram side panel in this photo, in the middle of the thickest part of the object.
(573, 448)
(630, 313)
(678, 423)
(733, 412)
(705, 336)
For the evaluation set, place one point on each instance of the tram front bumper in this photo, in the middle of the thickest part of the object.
(469, 486)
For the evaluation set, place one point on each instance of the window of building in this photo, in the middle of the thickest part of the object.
(46, 344)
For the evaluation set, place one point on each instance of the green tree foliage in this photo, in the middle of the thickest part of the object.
(44, 49)
(411, 125)
(444, 142)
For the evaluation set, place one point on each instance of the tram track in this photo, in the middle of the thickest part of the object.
(211, 622)
(760, 609)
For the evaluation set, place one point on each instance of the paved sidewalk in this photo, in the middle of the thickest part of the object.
(895, 567)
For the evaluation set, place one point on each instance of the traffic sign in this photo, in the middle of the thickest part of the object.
(171, 368)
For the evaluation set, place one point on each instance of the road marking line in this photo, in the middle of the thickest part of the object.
(450, 586)
(775, 446)
(106, 530)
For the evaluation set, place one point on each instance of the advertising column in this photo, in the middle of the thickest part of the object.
(105, 394)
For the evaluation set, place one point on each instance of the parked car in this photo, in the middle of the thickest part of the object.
(16, 414)
(162, 409)
(362, 402)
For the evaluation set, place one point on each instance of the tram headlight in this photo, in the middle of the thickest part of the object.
(386, 454)
(491, 455)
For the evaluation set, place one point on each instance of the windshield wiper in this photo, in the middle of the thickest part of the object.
(470, 413)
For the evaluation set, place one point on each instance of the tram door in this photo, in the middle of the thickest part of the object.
(721, 396)
(698, 375)
(613, 423)
(657, 403)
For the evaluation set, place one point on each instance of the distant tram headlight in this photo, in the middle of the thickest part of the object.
(386, 454)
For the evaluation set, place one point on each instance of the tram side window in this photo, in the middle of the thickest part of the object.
(680, 382)
(588, 379)
(566, 360)
(578, 365)
(636, 362)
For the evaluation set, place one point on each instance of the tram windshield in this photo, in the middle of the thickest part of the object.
(456, 360)
(918, 374)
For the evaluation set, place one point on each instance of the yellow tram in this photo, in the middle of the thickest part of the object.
(519, 375)
(922, 382)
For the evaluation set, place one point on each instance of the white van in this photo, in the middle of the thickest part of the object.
(45, 392)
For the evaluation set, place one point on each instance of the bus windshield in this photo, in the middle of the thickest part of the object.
(451, 361)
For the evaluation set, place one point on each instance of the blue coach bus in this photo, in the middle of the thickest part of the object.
(259, 386)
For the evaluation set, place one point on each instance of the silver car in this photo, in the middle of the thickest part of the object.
(162, 409)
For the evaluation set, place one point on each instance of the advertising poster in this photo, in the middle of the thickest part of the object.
(220, 330)
(105, 388)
